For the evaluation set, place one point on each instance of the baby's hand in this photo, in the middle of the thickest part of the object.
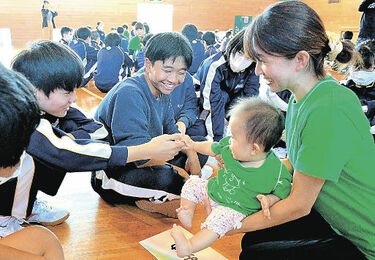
(189, 144)
(265, 202)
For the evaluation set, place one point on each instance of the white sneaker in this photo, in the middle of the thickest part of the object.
(280, 152)
(9, 225)
(47, 215)
(206, 172)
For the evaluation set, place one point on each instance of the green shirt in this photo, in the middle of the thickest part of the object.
(126, 34)
(328, 136)
(135, 44)
(237, 186)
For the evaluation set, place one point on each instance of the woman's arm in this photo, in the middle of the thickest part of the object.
(304, 192)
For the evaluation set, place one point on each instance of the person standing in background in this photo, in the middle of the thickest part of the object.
(48, 14)
(367, 25)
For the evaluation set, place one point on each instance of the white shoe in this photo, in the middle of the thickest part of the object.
(206, 172)
(9, 225)
(47, 215)
(280, 152)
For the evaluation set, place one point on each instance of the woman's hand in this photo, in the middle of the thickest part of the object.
(219, 161)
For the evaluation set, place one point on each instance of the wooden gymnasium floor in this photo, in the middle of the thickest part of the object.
(97, 230)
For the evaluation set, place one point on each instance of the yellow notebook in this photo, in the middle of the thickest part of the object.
(160, 246)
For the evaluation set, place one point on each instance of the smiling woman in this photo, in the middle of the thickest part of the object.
(328, 142)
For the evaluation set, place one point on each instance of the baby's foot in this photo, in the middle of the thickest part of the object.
(183, 247)
(185, 216)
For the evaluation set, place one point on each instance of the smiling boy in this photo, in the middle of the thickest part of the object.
(139, 109)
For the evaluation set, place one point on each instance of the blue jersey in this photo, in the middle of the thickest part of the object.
(211, 50)
(220, 87)
(138, 115)
(124, 43)
(198, 55)
(110, 68)
(87, 53)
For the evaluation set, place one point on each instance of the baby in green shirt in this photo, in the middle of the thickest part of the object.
(253, 177)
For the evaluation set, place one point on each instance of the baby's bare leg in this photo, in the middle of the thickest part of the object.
(185, 212)
(198, 242)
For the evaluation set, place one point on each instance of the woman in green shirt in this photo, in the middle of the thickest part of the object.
(330, 212)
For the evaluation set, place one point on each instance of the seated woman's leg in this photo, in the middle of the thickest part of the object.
(310, 237)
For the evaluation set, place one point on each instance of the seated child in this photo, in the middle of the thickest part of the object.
(361, 79)
(253, 177)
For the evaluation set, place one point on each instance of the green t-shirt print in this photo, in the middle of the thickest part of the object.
(328, 137)
(237, 186)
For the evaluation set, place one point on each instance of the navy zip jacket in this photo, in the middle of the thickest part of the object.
(220, 87)
(198, 55)
(78, 125)
(58, 150)
(111, 67)
(87, 53)
(124, 43)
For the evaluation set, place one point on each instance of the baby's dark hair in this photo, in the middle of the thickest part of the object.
(264, 123)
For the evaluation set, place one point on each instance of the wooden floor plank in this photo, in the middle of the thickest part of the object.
(98, 230)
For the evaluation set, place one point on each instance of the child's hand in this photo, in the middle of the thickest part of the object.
(189, 144)
(265, 202)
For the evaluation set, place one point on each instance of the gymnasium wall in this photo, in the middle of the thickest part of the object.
(338, 17)
(24, 16)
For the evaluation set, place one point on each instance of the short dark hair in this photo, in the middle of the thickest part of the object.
(134, 23)
(163, 46)
(94, 35)
(190, 31)
(146, 38)
(19, 115)
(120, 30)
(112, 39)
(264, 123)
(83, 33)
(125, 26)
(49, 66)
(235, 44)
(199, 35)
(65, 30)
(139, 26)
(286, 28)
(209, 38)
(228, 33)
(347, 35)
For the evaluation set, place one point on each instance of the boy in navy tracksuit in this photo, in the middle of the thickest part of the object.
(95, 40)
(223, 78)
(85, 51)
(209, 44)
(144, 101)
(112, 63)
(17, 123)
(190, 31)
(66, 35)
(99, 29)
(140, 57)
(54, 151)
(124, 40)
